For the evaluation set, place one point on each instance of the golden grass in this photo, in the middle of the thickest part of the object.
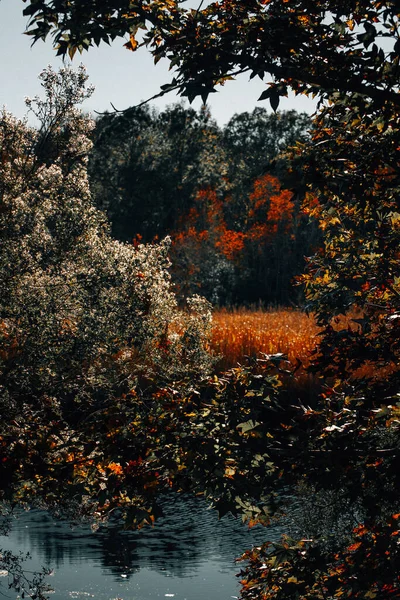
(243, 332)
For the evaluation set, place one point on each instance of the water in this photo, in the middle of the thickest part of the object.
(188, 555)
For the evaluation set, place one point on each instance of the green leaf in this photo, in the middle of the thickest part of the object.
(265, 95)
(274, 100)
(248, 426)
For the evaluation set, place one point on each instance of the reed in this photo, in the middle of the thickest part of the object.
(242, 332)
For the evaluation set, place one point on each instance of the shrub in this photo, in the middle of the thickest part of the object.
(82, 316)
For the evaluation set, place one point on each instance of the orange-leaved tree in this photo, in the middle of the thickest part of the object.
(234, 252)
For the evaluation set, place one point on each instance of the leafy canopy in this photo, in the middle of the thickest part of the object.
(311, 46)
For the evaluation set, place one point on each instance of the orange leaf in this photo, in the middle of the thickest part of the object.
(132, 44)
(354, 547)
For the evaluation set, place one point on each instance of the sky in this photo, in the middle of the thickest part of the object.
(120, 77)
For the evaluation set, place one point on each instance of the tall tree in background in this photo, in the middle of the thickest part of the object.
(145, 166)
(117, 143)
(152, 171)
(253, 140)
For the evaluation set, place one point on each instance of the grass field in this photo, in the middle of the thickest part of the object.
(240, 333)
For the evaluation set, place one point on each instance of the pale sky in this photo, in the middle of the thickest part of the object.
(120, 77)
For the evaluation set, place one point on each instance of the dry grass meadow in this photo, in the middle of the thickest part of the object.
(242, 332)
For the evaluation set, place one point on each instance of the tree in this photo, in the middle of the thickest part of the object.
(355, 162)
(255, 145)
(201, 259)
(348, 54)
(146, 166)
(84, 319)
(114, 163)
(241, 253)
(152, 172)
(311, 47)
(254, 140)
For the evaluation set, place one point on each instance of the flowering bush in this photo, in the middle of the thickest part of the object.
(82, 316)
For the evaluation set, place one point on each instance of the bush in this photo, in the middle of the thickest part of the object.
(82, 315)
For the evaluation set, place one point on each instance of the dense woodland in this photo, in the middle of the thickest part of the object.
(226, 196)
(109, 396)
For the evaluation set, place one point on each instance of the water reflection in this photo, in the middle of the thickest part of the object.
(187, 541)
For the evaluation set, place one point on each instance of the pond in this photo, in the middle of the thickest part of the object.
(189, 554)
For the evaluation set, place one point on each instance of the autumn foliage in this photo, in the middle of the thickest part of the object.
(242, 240)
(240, 438)
(241, 332)
(269, 209)
(293, 569)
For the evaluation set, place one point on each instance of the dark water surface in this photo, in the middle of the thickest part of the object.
(188, 555)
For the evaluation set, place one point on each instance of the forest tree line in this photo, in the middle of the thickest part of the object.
(226, 196)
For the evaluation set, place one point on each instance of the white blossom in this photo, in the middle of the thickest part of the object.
(81, 314)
